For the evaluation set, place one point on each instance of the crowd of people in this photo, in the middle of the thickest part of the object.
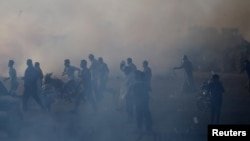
(134, 93)
(136, 85)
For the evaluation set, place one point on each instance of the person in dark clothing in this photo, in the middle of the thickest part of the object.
(148, 73)
(40, 78)
(187, 65)
(131, 64)
(216, 89)
(85, 76)
(246, 68)
(13, 78)
(30, 85)
(103, 76)
(141, 99)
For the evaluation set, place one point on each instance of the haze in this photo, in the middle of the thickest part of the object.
(51, 31)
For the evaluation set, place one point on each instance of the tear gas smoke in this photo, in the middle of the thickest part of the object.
(51, 31)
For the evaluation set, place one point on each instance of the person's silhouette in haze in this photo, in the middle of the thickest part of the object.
(187, 65)
(216, 89)
(69, 70)
(31, 76)
(13, 78)
(246, 68)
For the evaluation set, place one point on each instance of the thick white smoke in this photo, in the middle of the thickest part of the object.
(51, 31)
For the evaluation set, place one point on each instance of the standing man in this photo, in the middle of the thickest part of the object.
(40, 78)
(103, 75)
(246, 68)
(85, 77)
(94, 70)
(148, 74)
(127, 95)
(216, 89)
(141, 98)
(131, 64)
(30, 85)
(187, 65)
(13, 78)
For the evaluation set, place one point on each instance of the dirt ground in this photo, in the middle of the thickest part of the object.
(173, 114)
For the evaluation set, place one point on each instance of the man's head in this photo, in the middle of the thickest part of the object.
(91, 57)
(145, 63)
(66, 62)
(100, 59)
(184, 57)
(29, 62)
(215, 77)
(37, 64)
(83, 64)
(129, 61)
(11, 63)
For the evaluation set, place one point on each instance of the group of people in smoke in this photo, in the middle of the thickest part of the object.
(137, 85)
(134, 92)
(93, 78)
(214, 87)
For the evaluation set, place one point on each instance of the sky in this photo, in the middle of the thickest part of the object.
(51, 31)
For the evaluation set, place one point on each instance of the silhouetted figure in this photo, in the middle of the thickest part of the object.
(40, 78)
(94, 69)
(141, 98)
(13, 78)
(69, 70)
(103, 76)
(30, 85)
(131, 64)
(188, 85)
(216, 89)
(85, 77)
(127, 94)
(246, 68)
(148, 74)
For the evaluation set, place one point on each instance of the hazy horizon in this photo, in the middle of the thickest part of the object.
(51, 31)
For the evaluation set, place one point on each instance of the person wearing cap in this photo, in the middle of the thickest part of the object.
(215, 89)
(187, 65)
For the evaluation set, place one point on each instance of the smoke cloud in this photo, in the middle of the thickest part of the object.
(51, 31)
